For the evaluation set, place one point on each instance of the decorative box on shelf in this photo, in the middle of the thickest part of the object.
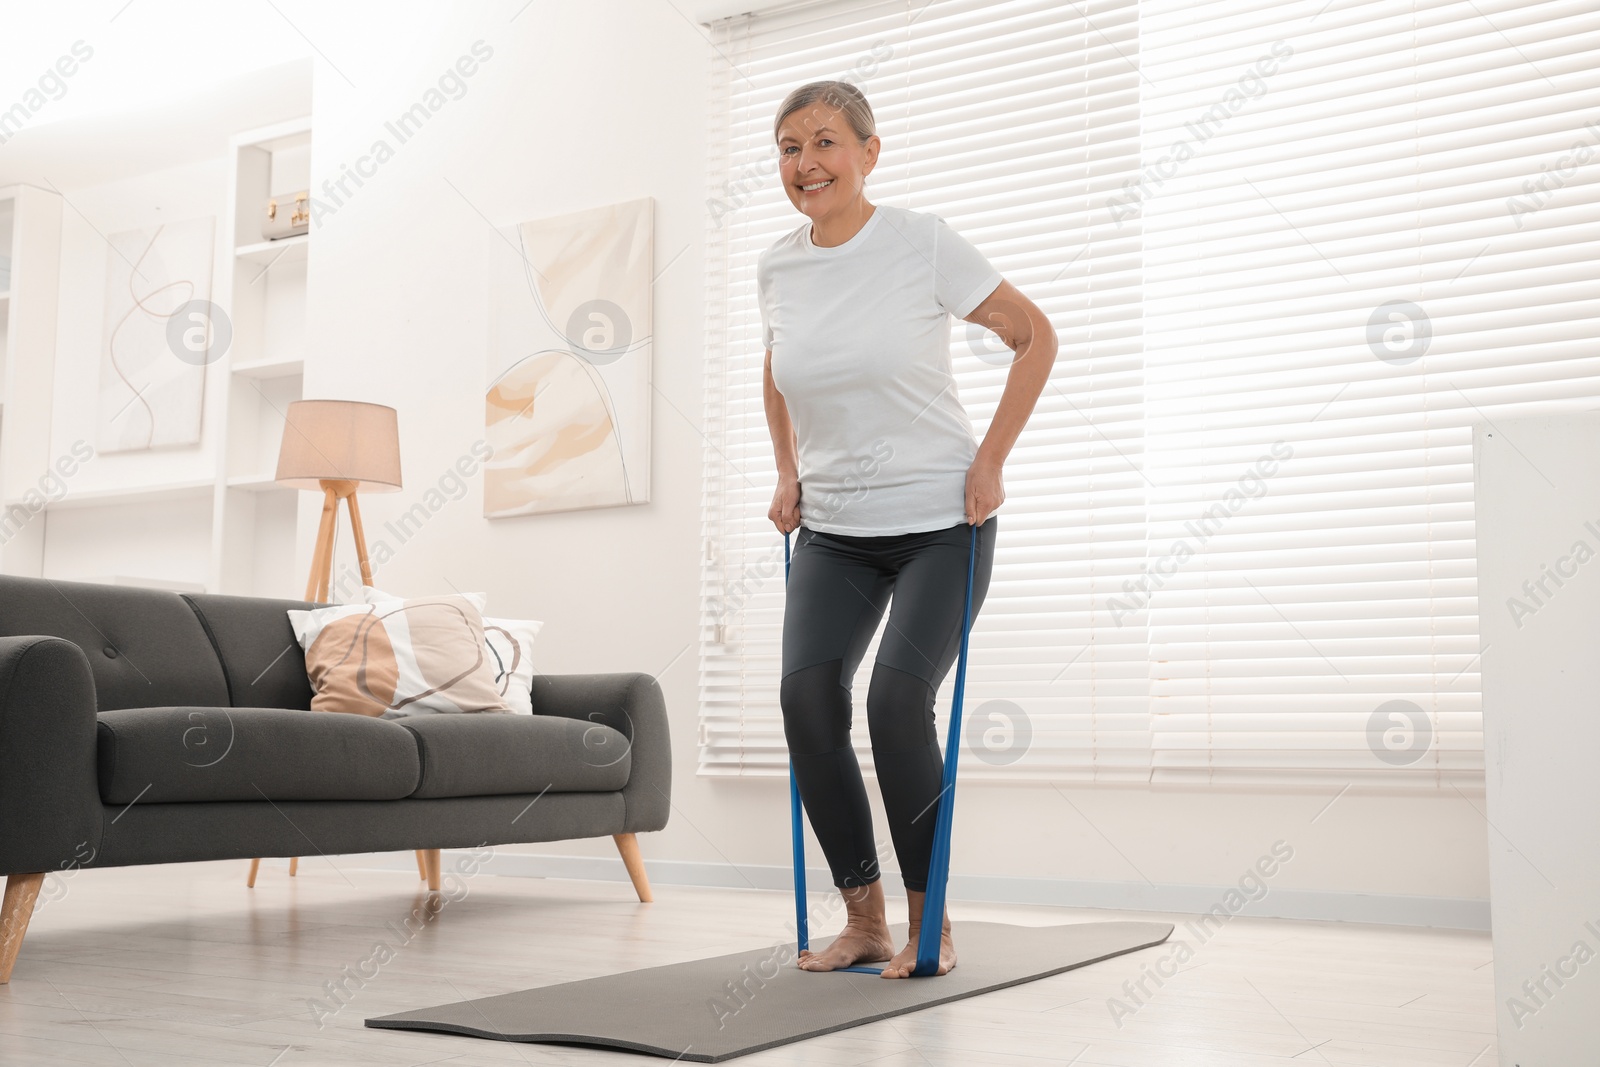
(287, 216)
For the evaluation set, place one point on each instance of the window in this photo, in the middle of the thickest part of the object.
(1293, 252)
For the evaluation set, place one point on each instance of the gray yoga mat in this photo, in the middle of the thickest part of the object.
(710, 1010)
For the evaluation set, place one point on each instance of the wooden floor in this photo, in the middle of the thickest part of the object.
(182, 964)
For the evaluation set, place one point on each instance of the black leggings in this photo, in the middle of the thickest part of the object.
(838, 588)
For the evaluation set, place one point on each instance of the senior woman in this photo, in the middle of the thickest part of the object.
(880, 472)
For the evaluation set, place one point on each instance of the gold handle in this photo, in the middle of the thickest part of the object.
(272, 209)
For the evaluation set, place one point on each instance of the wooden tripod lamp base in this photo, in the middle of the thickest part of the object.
(334, 491)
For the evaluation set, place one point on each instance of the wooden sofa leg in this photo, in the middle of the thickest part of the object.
(21, 891)
(422, 867)
(431, 859)
(628, 845)
(294, 866)
(255, 865)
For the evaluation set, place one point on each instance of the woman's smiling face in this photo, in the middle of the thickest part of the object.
(818, 149)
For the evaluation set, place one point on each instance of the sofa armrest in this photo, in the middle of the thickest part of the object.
(631, 704)
(50, 810)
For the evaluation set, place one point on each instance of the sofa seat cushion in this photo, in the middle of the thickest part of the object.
(487, 755)
(172, 755)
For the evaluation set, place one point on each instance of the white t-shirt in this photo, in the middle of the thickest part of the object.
(860, 341)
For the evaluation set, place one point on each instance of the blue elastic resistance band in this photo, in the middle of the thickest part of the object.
(929, 936)
(800, 924)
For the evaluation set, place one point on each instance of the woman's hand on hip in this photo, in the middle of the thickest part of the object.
(985, 491)
(785, 509)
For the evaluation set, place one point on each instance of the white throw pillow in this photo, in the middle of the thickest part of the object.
(510, 647)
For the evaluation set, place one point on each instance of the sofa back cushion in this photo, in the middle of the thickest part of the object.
(145, 646)
(264, 663)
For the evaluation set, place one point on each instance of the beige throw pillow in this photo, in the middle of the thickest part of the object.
(509, 643)
(401, 656)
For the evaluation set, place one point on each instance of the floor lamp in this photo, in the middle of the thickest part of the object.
(340, 447)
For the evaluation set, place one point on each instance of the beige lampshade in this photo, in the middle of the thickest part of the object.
(340, 440)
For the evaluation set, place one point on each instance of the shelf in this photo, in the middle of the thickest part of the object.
(283, 250)
(255, 531)
(294, 133)
(271, 368)
(259, 483)
(146, 494)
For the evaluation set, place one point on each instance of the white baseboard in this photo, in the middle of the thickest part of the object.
(1278, 903)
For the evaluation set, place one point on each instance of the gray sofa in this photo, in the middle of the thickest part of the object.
(141, 726)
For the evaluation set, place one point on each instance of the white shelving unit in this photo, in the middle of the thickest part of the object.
(254, 525)
(214, 520)
(285, 250)
(155, 493)
(69, 526)
(30, 236)
(238, 517)
(271, 368)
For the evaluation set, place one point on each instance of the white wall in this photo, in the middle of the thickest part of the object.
(589, 104)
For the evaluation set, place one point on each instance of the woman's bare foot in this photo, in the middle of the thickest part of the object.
(905, 961)
(865, 938)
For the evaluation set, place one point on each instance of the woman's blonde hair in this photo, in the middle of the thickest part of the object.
(842, 95)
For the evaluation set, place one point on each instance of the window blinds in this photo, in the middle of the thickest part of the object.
(1345, 276)
(1292, 252)
(1012, 121)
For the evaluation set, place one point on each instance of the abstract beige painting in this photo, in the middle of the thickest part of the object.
(568, 403)
(157, 336)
